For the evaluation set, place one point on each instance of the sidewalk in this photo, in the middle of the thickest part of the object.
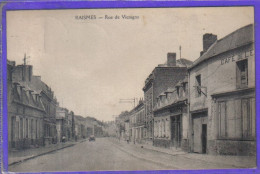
(236, 161)
(219, 160)
(15, 157)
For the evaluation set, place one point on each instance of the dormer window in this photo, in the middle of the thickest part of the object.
(178, 90)
(184, 87)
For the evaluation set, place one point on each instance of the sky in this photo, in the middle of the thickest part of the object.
(92, 63)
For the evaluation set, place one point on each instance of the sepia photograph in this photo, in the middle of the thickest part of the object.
(131, 89)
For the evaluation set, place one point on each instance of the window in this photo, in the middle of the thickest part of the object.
(184, 87)
(36, 129)
(27, 128)
(164, 128)
(32, 129)
(248, 118)
(222, 119)
(242, 74)
(237, 118)
(21, 128)
(198, 86)
(178, 91)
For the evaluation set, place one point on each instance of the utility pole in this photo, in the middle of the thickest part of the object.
(180, 51)
(131, 100)
(25, 59)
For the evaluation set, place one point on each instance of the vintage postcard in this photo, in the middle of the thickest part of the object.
(126, 89)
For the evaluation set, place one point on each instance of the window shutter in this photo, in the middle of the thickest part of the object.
(238, 75)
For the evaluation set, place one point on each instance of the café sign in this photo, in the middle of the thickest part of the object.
(237, 57)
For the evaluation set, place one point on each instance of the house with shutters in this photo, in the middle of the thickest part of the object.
(22, 76)
(222, 95)
(171, 117)
(26, 113)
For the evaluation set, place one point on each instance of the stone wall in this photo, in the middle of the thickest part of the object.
(232, 147)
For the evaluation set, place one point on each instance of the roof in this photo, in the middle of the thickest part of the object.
(238, 38)
(162, 94)
(179, 83)
(169, 90)
(182, 62)
(185, 80)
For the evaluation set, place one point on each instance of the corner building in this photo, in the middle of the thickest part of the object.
(222, 95)
(162, 77)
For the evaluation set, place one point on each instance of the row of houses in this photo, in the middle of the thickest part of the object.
(205, 106)
(35, 117)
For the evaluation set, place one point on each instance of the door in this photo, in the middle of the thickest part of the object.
(177, 131)
(197, 135)
(204, 138)
(173, 128)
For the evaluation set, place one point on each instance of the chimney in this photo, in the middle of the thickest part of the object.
(171, 59)
(208, 40)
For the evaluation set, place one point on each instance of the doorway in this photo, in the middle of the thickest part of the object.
(176, 131)
(204, 138)
(199, 132)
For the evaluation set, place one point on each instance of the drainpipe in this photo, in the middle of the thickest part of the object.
(189, 116)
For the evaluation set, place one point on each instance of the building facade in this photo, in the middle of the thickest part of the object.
(62, 123)
(25, 113)
(162, 77)
(171, 117)
(137, 123)
(24, 74)
(222, 95)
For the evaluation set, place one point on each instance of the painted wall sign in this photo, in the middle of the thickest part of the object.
(237, 57)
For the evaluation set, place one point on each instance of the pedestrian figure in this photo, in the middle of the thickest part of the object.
(63, 139)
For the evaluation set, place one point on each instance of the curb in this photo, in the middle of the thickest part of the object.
(184, 153)
(147, 160)
(32, 157)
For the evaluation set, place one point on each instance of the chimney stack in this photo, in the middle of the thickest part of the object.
(208, 40)
(171, 59)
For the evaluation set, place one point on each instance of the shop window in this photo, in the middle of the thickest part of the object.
(242, 74)
(237, 118)
(198, 86)
(222, 119)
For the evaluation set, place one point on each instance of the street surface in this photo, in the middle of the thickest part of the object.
(108, 154)
(86, 156)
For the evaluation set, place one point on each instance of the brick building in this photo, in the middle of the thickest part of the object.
(162, 77)
(171, 117)
(222, 95)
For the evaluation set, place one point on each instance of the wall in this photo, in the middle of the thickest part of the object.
(219, 75)
(166, 77)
